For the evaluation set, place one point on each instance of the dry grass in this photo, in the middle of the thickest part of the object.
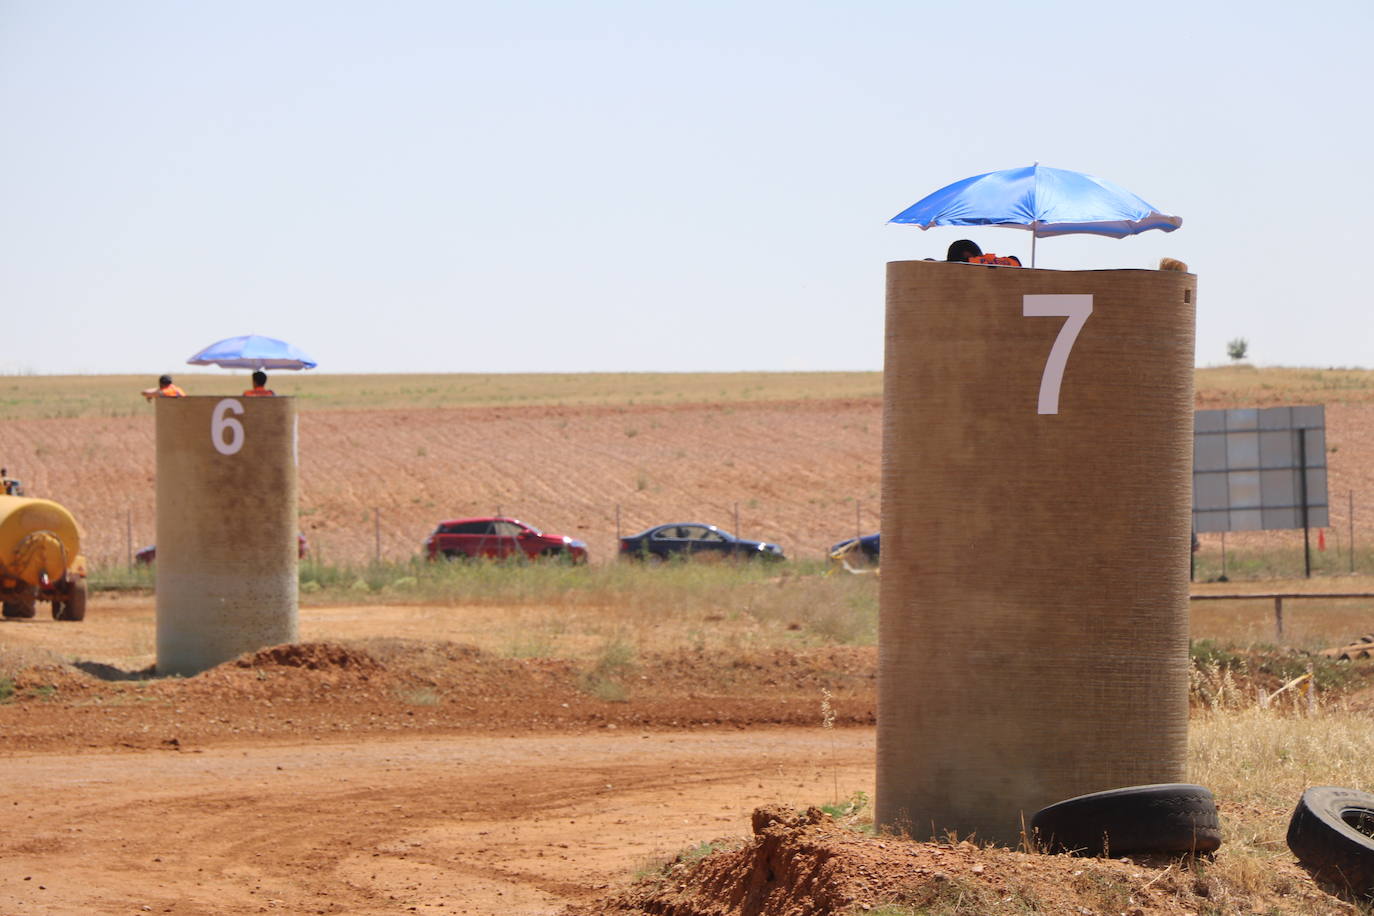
(1258, 762)
(556, 611)
(1309, 624)
(1246, 384)
(45, 397)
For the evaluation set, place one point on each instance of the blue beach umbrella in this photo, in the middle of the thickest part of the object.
(1044, 200)
(252, 352)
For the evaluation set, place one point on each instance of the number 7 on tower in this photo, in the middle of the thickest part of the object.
(1076, 308)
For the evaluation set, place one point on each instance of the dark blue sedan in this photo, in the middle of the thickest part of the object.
(692, 539)
(866, 547)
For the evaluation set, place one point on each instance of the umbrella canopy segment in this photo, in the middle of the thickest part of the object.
(1044, 200)
(252, 352)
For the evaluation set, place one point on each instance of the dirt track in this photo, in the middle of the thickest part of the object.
(510, 825)
(376, 774)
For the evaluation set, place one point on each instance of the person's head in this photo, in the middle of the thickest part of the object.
(962, 250)
(163, 381)
(259, 378)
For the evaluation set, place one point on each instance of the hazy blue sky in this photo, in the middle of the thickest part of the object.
(542, 186)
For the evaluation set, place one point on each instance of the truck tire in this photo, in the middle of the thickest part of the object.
(1332, 833)
(19, 609)
(74, 608)
(1167, 818)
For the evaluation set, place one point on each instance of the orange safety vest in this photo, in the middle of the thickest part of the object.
(989, 258)
(171, 391)
(259, 393)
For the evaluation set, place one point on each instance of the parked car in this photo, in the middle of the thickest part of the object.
(692, 539)
(148, 554)
(866, 546)
(497, 538)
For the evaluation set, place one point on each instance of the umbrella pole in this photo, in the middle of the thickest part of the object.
(1033, 234)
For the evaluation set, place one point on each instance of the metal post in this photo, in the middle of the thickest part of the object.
(858, 519)
(377, 532)
(1302, 495)
(129, 536)
(617, 522)
(1223, 558)
(1352, 530)
(736, 519)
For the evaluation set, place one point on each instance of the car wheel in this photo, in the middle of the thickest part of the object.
(19, 609)
(1332, 833)
(1167, 818)
(74, 608)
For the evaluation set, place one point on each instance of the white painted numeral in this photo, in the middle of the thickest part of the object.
(1076, 308)
(220, 425)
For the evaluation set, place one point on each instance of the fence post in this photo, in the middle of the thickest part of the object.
(377, 532)
(737, 534)
(1352, 530)
(129, 537)
(1278, 615)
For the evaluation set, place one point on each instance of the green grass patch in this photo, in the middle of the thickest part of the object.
(1248, 564)
(604, 680)
(120, 578)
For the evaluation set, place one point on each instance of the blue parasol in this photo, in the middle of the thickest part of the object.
(1046, 201)
(253, 351)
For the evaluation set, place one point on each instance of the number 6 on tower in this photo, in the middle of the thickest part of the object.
(1076, 308)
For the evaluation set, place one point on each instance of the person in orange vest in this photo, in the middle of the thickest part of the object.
(259, 389)
(164, 389)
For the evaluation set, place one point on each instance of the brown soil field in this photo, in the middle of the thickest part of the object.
(362, 772)
(795, 470)
(393, 761)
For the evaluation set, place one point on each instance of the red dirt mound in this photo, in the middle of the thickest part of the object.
(808, 865)
(313, 655)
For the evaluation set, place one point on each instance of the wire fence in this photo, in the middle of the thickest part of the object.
(390, 533)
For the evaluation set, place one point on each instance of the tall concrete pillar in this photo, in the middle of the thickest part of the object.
(226, 529)
(1036, 533)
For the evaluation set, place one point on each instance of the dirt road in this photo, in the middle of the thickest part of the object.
(509, 825)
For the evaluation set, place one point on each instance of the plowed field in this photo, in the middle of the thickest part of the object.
(803, 474)
(794, 470)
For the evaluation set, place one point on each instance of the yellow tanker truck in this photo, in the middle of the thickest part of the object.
(40, 559)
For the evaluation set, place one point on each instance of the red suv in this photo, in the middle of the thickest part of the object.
(498, 538)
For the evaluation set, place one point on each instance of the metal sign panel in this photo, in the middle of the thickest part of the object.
(1253, 468)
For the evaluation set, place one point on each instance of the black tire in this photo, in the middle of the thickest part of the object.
(19, 610)
(74, 608)
(1166, 818)
(1332, 833)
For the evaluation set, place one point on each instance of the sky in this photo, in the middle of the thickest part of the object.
(527, 186)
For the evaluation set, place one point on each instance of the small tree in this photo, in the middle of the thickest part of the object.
(1237, 349)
